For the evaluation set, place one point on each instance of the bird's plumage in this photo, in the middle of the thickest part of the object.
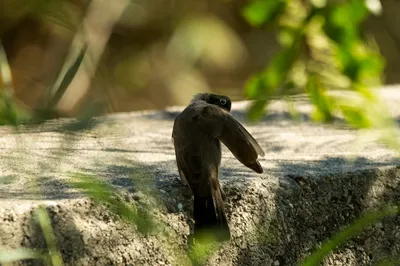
(197, 133)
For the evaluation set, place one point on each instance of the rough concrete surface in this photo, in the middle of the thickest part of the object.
(317, 179)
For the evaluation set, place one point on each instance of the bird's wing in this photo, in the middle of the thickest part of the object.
(181, 163)
(235, 137)
(187, 158)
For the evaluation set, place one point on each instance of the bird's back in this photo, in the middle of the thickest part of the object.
(198, 154)
(191, 129)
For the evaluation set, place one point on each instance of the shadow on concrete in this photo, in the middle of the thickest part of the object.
(68, 236)
(310, 206)
(324, 203)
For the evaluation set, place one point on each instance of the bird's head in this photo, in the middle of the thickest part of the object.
(222, 101)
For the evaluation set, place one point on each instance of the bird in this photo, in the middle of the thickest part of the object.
(197, 135)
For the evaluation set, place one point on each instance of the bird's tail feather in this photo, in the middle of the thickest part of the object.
(210, 217)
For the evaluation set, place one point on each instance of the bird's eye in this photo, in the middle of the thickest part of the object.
(222, 101)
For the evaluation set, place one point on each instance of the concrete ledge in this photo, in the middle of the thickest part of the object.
(317, 179)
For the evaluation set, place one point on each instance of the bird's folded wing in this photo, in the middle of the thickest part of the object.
(235, 137)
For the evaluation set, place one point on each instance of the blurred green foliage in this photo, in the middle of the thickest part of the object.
(322, 49)
(200, 251)
(53, 256)
(10, 256)
(105, 194)
(10, 112)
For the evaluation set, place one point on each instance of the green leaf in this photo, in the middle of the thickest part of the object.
(355, 116)
(371, 67)
(9, 256)
(256, 110)
(343, 21)
(54, 255)
(286, 36)
(259, 12)
(280, 66)
(254, 85)
(349, 13)
(358, 10)
(347, 62)
(319, 98)
(360, 63)
(265, 84)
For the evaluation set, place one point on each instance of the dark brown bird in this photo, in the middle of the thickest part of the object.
(197, 133)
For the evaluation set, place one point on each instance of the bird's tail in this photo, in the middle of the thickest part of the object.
(209, 216)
